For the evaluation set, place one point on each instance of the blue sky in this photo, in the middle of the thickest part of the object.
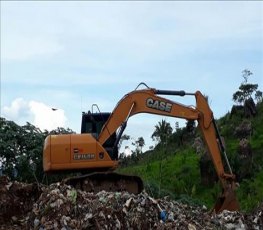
(70, 55)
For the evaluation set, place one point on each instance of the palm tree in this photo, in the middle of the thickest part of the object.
(163, 130)
(140, 142)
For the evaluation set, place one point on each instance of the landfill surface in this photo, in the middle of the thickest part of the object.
(59, 206)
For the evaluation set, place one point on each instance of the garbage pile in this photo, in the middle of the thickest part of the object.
(62, 207)
(16, 199)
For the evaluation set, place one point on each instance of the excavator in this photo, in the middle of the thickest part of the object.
(94, 151)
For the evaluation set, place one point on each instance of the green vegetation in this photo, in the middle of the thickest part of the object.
(250, 193)
(177, 176)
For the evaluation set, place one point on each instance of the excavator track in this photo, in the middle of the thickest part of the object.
(108, 181)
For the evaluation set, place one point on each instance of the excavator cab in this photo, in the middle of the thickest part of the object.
(92, 123)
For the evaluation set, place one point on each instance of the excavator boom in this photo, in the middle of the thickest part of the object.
(97, 150)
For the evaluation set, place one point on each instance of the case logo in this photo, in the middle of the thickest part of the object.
(159, 105)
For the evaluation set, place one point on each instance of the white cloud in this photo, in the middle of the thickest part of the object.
(37, 113)
(45, 117)
(18, 109)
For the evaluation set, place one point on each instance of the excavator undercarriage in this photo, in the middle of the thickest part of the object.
(108, 181)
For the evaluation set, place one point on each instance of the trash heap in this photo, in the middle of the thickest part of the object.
(16, 199)
(62, 207)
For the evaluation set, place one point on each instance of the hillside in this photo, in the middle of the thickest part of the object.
(185, 174)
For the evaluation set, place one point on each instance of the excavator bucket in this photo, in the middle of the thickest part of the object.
(227, 201)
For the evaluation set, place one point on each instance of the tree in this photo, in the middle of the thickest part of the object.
(258, 96)
(238, 97)
(8, 147)
(21, 150)
(190, 126)
(162, 132)
(124, 137)
(61, 130)
(245, 74)
(246, 90)
(140, 143)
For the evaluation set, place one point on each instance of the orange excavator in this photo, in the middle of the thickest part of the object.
(95, 150)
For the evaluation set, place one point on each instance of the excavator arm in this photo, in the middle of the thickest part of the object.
(149, 101)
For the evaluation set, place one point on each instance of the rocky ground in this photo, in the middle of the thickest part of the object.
(58, 206)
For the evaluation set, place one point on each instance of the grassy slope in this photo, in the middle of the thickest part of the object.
(175, 175)
(178, 174)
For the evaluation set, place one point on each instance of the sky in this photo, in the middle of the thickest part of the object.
(70, 55)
